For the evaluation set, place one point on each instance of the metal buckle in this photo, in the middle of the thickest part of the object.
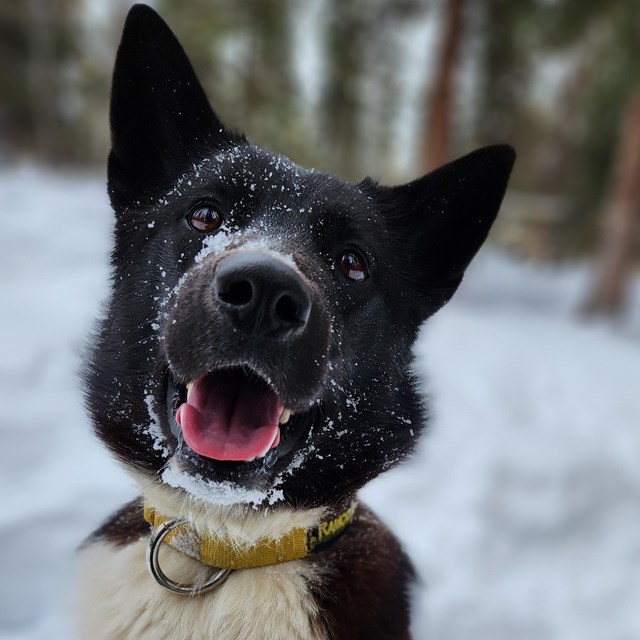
(215, 581)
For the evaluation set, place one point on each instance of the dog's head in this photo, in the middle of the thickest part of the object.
(257, 342)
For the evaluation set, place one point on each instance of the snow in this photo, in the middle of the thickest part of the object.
(225, 493)
(521, 509)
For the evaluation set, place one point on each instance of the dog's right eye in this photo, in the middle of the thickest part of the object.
(204, 219)
(353, 265)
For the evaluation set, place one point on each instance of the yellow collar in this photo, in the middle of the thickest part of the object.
(225, 553)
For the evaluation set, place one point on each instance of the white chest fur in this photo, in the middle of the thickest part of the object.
(118, 600)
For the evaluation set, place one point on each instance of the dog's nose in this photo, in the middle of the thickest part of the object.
(261, 294)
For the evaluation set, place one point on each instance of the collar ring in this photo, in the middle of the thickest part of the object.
(216, 580)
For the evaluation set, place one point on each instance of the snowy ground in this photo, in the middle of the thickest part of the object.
(521, 509)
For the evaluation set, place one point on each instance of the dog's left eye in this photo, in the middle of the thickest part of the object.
(204, 219)
(353, 265)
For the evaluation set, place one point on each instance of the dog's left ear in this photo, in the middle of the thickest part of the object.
(161, 120)
(445, 217)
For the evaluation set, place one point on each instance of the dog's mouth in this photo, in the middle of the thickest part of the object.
(233, 415)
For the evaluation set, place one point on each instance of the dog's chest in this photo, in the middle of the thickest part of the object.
(118, 600)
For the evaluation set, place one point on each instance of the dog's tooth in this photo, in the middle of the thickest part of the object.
(285, 416)
(189, 386)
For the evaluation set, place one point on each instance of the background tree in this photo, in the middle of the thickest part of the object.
(38, 49)
(606, 165)
(360, 87)
(504, 67)
(621, 219)
(440, 106)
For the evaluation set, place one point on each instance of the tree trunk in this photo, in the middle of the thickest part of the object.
(621, 219)
(437, 135)
(341, 103)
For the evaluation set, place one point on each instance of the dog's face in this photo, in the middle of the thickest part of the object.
(257, 342)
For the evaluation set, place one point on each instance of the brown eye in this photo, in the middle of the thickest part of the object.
(353, 265)
(204, 219)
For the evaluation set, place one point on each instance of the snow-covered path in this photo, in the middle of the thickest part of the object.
(521, 509)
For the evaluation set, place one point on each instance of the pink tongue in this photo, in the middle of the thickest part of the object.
(229, 417)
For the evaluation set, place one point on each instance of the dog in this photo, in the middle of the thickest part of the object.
(252, 368)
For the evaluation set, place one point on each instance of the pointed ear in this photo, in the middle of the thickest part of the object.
(445, 218)
(160, 115)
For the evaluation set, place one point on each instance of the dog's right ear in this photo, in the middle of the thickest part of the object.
(160, 116)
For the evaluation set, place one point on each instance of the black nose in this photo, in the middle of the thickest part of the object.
(261, 294)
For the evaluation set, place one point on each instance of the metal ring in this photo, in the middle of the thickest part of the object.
(216, 580)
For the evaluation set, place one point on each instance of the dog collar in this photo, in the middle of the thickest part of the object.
(226, 555)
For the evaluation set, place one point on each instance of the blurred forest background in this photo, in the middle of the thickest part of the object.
(387, 88)
(521, 509)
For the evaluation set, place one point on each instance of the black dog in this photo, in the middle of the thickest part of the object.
(252, 369)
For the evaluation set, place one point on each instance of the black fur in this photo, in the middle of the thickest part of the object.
(345, 367)
(123, 527)
(366, 597)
